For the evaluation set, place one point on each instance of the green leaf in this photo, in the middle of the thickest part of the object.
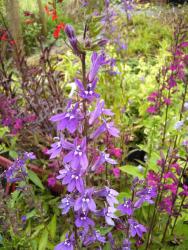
(13, 154)
(132, 170)
(3, 131)
(37, 231)
(31, 214)
(52, 226)
(104, 230)
(35, 179)
(43, 240)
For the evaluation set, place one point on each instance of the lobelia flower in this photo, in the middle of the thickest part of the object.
(68, 244)
(109, 215)
(77, 156)
(56, 149)
(109, 194)
(106, 126)
(69, 120)
(117, 152)
(126, 207)
(145, 195)
(66, 204)
(116, 172)
(136, 228)
(101, 159)
(72, 178)
(72, 39)
(95, 236)
(166, 204)
(179, 125)
(97, 61)
(152, 179)
(186, 106)
(126, 245)
(82, 220)
(99, 110)
(152, 110)
(51, 181)
(17, 171)
(185, 191)
(85, 202)
(89, 92)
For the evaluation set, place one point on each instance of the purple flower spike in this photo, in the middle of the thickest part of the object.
(77, 156)
(97, 62)
(84, 221)
(89, 92)
(66, 204)
(85, 202)
(69, 120)
(126, 207)
(136, 228)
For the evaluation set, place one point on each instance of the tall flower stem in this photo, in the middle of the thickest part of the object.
(173, 204)
(156, 205)
(179, 211)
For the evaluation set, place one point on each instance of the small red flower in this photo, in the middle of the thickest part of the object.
(4, 36)
(57, 30)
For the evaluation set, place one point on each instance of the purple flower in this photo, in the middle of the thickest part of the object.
(17, 171)
(85, 202)
(102, 158)
(109, 215)
(29, 156)
(97, 62)
(23, 218)
(84, 221)
(106, 126)
(179, 125)
(136, 228)
(68, 244)
(110, 195)
(56, 149)
(95, 236)
(77, 156)
(51, 181)
(72, 39)
(126, 207)
(99, 110)
(126, 245)
(66, 204)
(89, 92)
(145, 195)
(71, 178)
(69, 120)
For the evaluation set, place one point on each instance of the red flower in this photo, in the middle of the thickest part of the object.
(57, 30)
(4, 36)
(54, 15)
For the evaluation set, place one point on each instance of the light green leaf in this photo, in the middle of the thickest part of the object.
(13, 154)
(43, 240)
(132, 170)
(52, 226)
(35, 179)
